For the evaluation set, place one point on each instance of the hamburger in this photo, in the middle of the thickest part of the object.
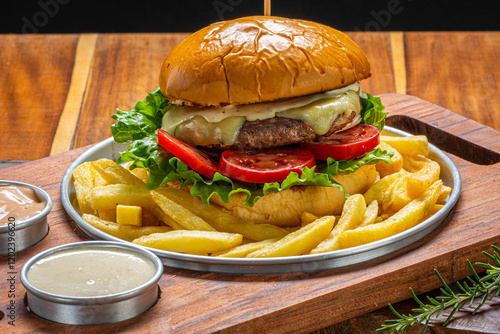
(264, 116)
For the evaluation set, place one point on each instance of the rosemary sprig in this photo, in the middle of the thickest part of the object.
(473, 288)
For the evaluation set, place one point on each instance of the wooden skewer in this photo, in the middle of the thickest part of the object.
(267, 7)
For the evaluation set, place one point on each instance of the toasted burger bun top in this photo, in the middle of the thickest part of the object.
(260, 59)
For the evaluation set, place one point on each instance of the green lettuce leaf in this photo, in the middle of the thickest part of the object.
(224, 187)
(138, 126)
(373, 111)
(142, 121)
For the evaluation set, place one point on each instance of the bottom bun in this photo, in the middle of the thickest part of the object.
(286, 207)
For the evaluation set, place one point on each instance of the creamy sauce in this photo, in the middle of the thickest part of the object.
(18, 202)
(90, 272)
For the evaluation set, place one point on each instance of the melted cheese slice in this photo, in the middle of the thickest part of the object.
(211, 125)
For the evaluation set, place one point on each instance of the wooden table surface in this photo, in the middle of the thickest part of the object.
(59, 91)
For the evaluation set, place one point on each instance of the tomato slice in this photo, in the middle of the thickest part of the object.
(270, 165)
(188, 154)
(345, 145)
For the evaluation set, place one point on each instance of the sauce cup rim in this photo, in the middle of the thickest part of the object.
(100, 299)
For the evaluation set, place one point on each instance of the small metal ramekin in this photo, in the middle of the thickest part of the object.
(94, 310)
(16, 236)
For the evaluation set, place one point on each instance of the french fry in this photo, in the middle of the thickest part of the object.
(433, 211)
(163, 217)
(382, 190)
(408, 145)
(306, 218)
(445, 192)
(115, 174)
(399, 196)
(413, 163)
(109, 215)
(370, 214)
(129, 215)
(108, 197)
(127, 233)
(426, 173)
(406, 218)
(300, 241)
(252, 231)
(83, 183)
(191, 242)
(409, 186)
(244, 250)
(141, 173)
(179, 213)
(396, 161)
(352, 215)
(382, 217)
(97, 178)
(220, 220)
(149, 219)
(290, 229)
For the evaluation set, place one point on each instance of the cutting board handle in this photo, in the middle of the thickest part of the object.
(447, 130)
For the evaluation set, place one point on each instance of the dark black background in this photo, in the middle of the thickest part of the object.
(76, 16)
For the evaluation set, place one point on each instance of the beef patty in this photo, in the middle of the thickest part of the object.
(280, 131)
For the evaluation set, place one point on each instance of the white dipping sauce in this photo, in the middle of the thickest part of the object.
(86, 272)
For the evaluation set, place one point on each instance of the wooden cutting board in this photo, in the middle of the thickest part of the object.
(201, 302)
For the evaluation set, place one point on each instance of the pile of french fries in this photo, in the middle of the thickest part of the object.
(115, 200)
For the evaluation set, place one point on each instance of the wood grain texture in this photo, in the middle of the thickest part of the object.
(123, 72)
(458, 71)
(199, 302)
(63, 139)
(35, 78)
(398, 61)
(377, 47)
(463, 323)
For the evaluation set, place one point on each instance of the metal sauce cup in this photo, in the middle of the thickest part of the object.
(95, 310)
(19, 235)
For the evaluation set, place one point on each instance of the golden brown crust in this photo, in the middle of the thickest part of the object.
(259, 59)
(286, 207)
